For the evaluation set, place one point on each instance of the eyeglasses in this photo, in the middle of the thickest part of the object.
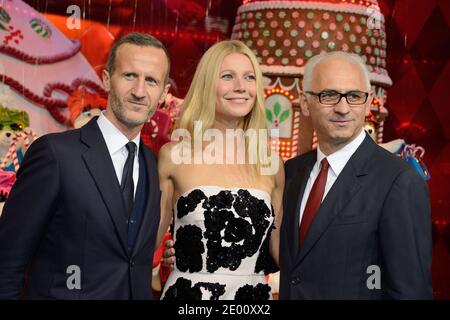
(332, 97)
(15, 126)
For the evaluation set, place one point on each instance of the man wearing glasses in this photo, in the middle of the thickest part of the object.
(356, 222)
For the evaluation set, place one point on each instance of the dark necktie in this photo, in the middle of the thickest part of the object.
(314, 200)
(127, 183)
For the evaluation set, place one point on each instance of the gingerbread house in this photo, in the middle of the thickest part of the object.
(285, 34)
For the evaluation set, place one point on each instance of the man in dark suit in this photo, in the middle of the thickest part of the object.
(82, 217)
(356, 221)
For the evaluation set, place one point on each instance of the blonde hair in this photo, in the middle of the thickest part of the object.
(200, 101)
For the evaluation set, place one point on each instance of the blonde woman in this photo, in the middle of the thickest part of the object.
(220, 184)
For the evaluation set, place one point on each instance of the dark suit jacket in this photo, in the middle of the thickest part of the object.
(376, 213)
(66, 209)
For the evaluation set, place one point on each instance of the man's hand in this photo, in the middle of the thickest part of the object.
(169, 254)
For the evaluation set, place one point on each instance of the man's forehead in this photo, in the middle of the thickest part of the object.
(143, 59)
(338, 73)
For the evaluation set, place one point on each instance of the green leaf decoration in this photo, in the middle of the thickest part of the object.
(2, 27)
(284, 115)
(4, 16)
(277, 108)
(269, 115)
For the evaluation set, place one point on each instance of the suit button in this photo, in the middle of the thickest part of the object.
(131, 263)
(296, 280)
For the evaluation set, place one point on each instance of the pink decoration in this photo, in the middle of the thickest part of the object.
(7, 179)
(40, 60)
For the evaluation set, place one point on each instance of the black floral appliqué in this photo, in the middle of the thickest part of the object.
(183, 290)
(216, 289)
(249, 292)
(231, 239)
(189, 248)
(222, 200)
(265, 262)
(188, 203)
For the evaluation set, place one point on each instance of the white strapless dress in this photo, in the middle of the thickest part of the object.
(222, 245)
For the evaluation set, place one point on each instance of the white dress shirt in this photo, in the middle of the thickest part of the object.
(116, 141)
(337, 161)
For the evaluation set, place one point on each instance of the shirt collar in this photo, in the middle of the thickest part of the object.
(114, 138)
(339, 158)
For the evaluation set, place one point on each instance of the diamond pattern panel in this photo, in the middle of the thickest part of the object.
(410, 16)
(407, 80)
(439, 96)
(418, 63)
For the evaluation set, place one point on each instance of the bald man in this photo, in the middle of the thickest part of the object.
(356, 222)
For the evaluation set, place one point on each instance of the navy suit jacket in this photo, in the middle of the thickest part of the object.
(66, 211)
(376, 215)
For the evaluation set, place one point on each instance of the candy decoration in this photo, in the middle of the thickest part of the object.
(52, 105)
(413, 155)
(24, 137)
(14, 35)
(41, 28)
(314, 141)
(295, 132)
(13, 52)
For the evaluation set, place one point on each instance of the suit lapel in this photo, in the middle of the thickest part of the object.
(153, 191)
(293, 201)
(346, 186)
(100, 166)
